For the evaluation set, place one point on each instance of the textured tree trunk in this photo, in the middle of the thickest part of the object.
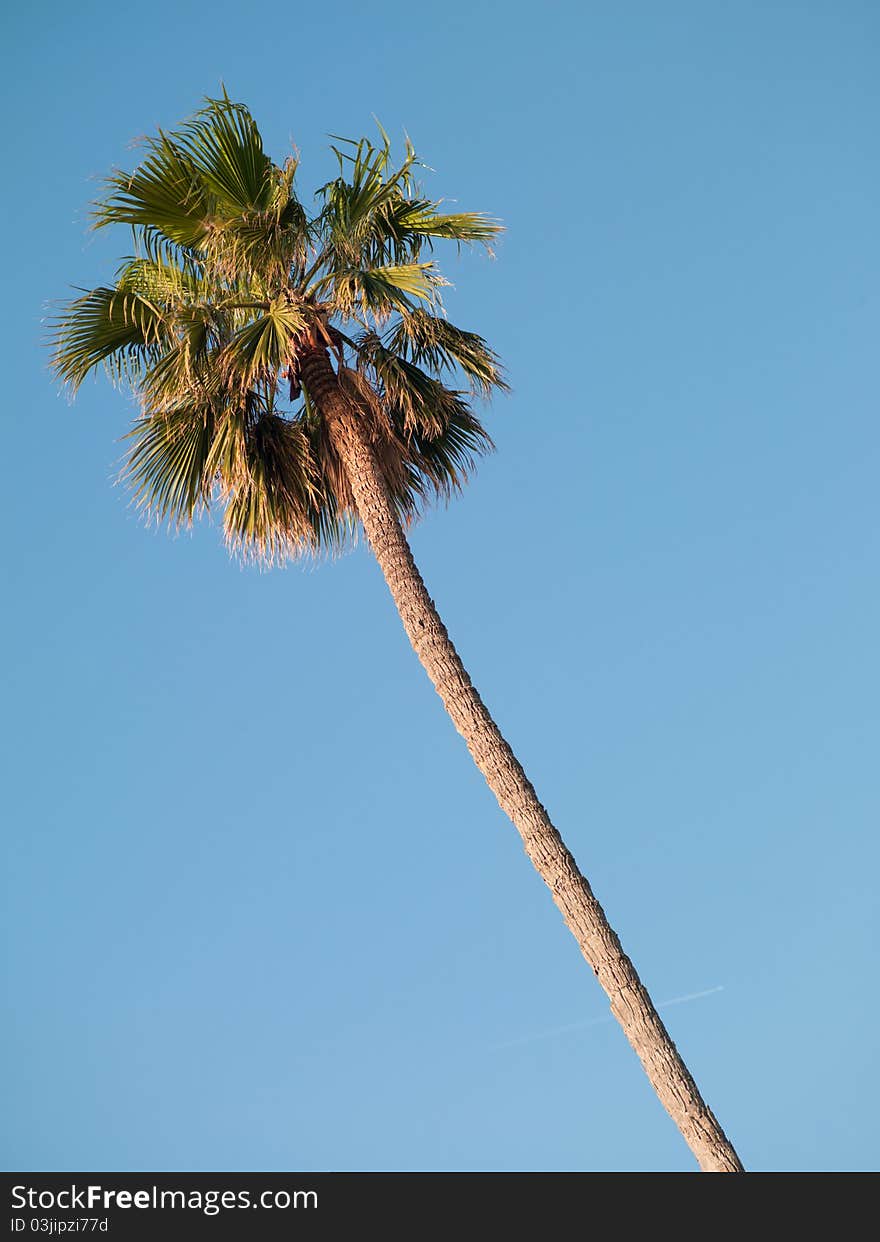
(630, 1002)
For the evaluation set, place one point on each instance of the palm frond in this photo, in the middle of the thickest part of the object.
(160, 281)
(421, 401)
(444, 462)
(168, 465)
(165, 194)
(353, 225)
(371, 212)
(460, 226)
(224, 145)
(270, 507)
(375, 293)
(410, 223)
(184, 371)
(118, 327)
(365, 183)
(432, 341)
(210, 189)
(262, 346)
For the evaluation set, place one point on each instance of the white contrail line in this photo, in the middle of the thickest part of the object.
(587, 1022)
(680, 1000)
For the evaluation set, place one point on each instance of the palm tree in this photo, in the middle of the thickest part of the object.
(297, 371)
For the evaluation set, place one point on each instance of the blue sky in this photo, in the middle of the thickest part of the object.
(261, 911)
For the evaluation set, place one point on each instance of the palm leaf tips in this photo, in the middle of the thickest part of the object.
(231, 284)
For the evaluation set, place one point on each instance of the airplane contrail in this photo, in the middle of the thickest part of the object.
(598, 1021)
(680, 1000)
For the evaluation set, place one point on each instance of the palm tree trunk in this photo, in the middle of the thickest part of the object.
(630, 1002)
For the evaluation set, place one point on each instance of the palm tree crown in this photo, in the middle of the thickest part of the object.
(231, 284)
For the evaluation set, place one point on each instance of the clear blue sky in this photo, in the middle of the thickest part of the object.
(262, 912)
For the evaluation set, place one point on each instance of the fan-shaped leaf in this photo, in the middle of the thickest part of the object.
(122, 328)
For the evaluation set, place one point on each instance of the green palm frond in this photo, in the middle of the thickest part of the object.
(374, 211)
(183, 371)
(405, 225)
(377, 292)
(421, 401)
(357, 223)
(210, 189)
(270, 508)
(118, 327)
(165, 195)
(432, 341)
(223, 143)
(364, 185)
(154, 246)
(263, 345)
(167, 464)
(158, 281)
(444, 462)
(460, 226)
